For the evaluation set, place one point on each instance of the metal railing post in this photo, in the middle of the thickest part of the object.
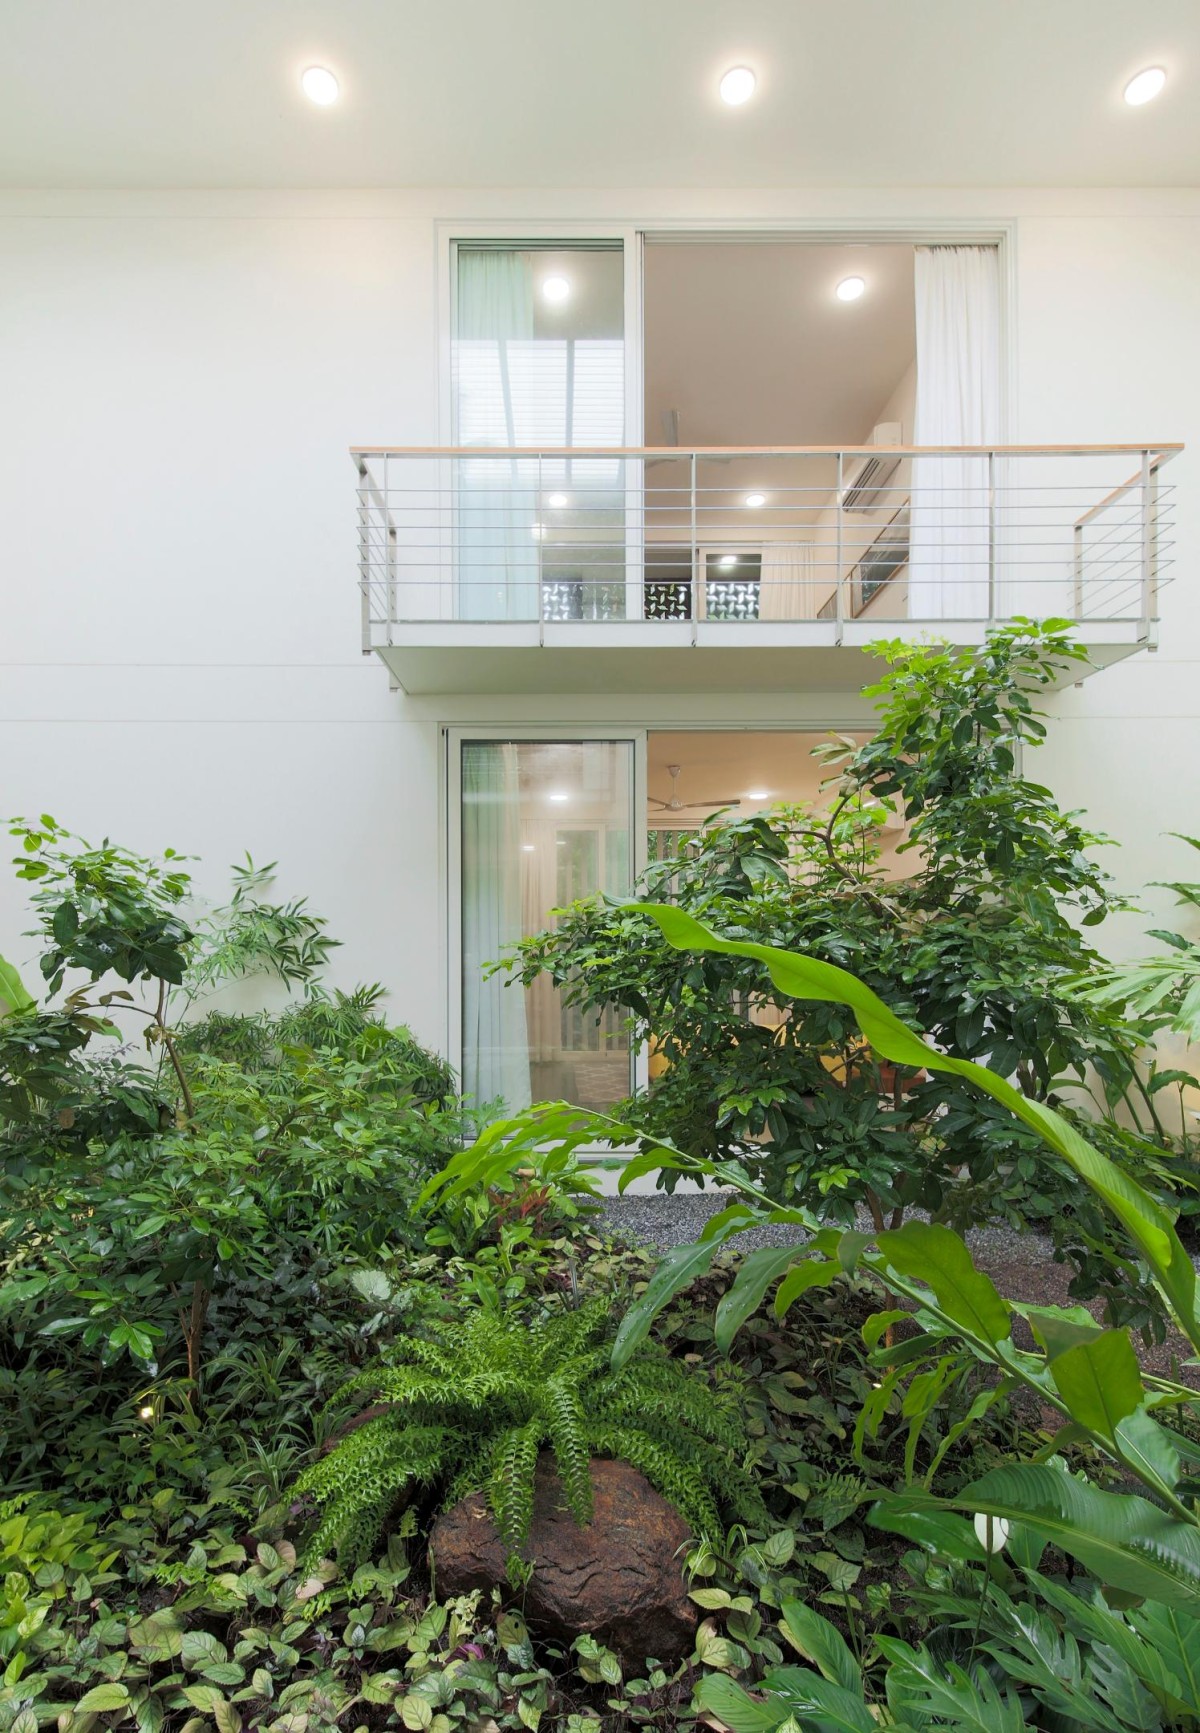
(540, 538)
(1077, 567)
(991, 548)
(839, 598)
(1149, 549)
(389, 532)
(694, 533)
(364, 557)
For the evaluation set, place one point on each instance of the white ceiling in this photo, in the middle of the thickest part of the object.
(733, 763)
(150, 93)
(748, 341)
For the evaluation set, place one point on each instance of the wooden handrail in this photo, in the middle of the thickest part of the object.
(1123, 487)
(1163, 452)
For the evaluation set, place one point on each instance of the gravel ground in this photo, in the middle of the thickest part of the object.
(1021, 1264)
(657, 1219)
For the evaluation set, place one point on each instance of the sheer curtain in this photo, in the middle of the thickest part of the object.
(497, 563)
(788, 587)
(958, 403)
(495, 1038)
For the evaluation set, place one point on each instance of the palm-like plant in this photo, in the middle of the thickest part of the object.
(472, 1410)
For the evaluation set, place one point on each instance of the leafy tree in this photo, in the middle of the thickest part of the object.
(971, 945)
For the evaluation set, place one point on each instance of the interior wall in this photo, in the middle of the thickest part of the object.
(179, 657)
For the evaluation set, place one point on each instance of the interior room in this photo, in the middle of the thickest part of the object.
(546, 823)
(761, 343)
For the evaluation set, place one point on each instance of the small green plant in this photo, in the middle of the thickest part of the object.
(832, 1692)
(474, 1408)
(47, 1556)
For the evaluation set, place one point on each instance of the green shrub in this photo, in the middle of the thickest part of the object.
(473, 1409)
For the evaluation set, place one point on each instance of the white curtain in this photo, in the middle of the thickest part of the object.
(788, 589)
(496, 497)
(495, 1037)
(958, 403)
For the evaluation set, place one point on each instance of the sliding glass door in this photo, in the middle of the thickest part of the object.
(541, 824)
(538, 357)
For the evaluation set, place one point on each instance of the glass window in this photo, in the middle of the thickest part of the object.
(539, 361)
(544, 823)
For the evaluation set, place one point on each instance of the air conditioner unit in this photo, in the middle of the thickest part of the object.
(866, 490)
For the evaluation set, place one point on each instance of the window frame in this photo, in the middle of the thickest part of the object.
(517, 734)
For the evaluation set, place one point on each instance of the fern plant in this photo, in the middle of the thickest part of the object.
(472, 1409)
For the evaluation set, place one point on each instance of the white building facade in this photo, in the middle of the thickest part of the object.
(184, 374)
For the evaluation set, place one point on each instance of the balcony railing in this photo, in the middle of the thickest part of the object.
(809, 538)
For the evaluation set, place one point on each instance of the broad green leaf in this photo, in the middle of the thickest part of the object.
(937, 1256)
(13, 992)
(102, 1700)
(1174, 1638)
(1146, 1447)
(819, 1642)
(678, 1270)
(1144, 1219)
(1122, 1539)
(744, 1298)
(819, 1702)
(812, 1273)
(737, 1708)
(1087, 1614)
(938, 1530)
(779, 1548)
(1058, 1328)
(1099, 1381)
(917, 1685)
(157, 1637)
(416, 1712)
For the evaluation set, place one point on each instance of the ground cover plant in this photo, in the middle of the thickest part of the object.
(263, 1314)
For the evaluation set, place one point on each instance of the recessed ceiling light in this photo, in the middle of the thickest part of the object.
(556, 289)
(319, 85)
(758, 794)
(737, 86)
(1145, 86)
(754, 500)
(527, 848)
(560, 797)
(727, 560)
(851, 288)
(557, 501)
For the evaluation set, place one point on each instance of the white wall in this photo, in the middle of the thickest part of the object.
(181, 377)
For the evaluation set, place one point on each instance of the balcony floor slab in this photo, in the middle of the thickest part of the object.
(664, 657)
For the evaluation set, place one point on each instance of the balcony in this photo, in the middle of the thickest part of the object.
(659, 569)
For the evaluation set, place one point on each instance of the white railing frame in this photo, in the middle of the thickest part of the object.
(1144, 481)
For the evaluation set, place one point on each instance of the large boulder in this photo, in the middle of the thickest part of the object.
(620, 1579)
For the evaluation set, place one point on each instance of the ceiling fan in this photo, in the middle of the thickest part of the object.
(677, 805)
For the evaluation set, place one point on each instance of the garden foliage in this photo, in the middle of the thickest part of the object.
(474, 1407)
(223, 1233)
(971, 945)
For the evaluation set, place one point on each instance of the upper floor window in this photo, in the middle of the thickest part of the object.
(539, 345)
